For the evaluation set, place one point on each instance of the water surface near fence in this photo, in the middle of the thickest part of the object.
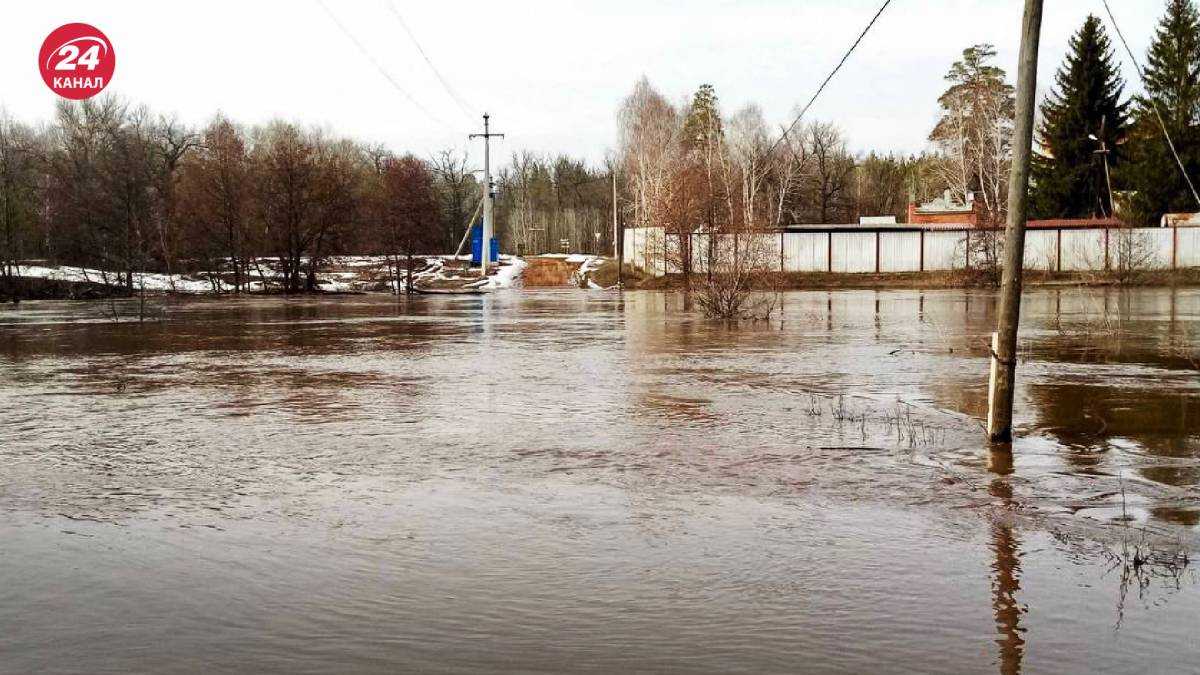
(581, 481)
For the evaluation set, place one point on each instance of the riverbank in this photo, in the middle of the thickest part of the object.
(38, 280)
(376, 274)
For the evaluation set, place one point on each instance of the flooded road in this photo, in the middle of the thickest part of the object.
(561, 481)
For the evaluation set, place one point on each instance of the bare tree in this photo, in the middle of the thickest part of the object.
(215, 201)
(172, 142)
(18, 201)
(83, 186)
(788, 165)
(303, 196)
(410, 213)
(827, 187)
(748, 148)
(458, 192)
(742, 255)
(649, 136)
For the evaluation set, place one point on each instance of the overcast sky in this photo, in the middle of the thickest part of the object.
(551, 72)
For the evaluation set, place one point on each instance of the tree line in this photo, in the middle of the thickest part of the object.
(691, 163)
(1098, 152)
(111, 186)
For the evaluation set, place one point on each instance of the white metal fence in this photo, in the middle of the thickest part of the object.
(895, 250)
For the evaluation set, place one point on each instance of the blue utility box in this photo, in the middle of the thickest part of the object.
(477, 246)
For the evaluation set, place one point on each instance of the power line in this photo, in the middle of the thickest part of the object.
(379, 66)
(1153, 104)
(834, 72)
(462, 104)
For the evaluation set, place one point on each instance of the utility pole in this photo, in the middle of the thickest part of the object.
(1104, 152)
(489, 195)
(618, 245)
(1004, 341)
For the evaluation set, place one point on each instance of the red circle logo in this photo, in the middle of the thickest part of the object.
(77, 61)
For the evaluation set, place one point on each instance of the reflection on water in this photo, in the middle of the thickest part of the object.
(549, 481)
(1006, 569)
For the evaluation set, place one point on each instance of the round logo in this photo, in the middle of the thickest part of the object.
(77, 61)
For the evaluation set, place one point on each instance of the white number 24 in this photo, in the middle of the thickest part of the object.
(71, 57)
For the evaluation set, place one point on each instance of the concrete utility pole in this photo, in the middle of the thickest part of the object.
(489, 195)
(1004, 340)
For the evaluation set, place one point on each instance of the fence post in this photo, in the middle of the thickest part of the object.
(1107, 259)
(1058, 252)
(781, 270)
(878, 266)
(1175, 247)
(829, 255)
(968, 247)
(921, 262)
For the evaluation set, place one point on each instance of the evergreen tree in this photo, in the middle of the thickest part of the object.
(1084, 112)
(1173, 84)
(703, 139)
(702, 128)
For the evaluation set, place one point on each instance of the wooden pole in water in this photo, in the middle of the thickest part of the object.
(618, 244)
(1004, 340)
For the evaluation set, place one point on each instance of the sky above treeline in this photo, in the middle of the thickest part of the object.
(551, 72)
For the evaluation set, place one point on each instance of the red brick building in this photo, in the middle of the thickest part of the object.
(944, 210)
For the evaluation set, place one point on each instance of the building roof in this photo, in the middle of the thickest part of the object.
(947, 204)
(1067, 223)
(867, 227)
(1180, 219)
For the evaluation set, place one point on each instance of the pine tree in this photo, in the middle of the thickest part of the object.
(703, 139)
(1172, 81)
(1083, 112)
(974, 132)
(703, 125)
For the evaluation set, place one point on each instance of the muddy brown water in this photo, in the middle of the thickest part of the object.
(560, 481)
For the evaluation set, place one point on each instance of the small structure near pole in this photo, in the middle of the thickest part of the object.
(477, 247)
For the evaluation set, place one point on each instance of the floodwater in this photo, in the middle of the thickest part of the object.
(561, 481)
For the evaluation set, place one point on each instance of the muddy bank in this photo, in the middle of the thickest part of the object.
(336, 275)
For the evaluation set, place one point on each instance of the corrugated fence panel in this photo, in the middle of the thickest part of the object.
(853, 252)
(1082, 250)
(1040, 250)
(1162, 240)
(644, 249)
(899, 251)
(944, 250)
(1142, 248)
(805, 252)
(1166, 243)
(1189, 247)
